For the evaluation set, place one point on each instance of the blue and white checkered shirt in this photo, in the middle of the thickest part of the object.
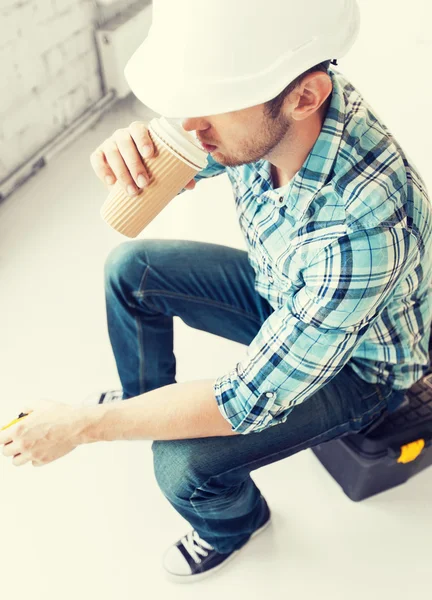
(343, 255)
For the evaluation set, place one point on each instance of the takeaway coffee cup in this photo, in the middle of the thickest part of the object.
(177, 158)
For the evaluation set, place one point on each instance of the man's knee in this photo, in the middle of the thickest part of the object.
(123, 261)
(176, 470)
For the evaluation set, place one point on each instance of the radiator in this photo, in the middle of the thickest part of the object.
(117, 39)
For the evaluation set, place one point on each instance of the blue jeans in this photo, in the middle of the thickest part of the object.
(211, 287)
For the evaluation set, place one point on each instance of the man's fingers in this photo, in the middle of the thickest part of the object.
(141, 137)
(118, 166)
(122, 158)
(101, 167)
(118, 158)
(132, 158)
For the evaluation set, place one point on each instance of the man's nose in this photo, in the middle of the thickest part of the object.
(195, 124)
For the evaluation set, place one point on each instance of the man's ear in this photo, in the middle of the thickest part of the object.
(310, 95)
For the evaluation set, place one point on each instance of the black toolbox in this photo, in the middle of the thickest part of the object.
(394, 449)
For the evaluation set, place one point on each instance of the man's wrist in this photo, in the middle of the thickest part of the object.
(87, 422)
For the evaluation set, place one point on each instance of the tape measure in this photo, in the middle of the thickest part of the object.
(21, 415)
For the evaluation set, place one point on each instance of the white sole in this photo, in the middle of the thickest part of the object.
(192, 578)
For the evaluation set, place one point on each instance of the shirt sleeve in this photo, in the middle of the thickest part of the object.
(212, 169)
(306, 342)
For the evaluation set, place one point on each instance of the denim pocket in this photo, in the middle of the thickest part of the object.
(366, 389)
(369, 421)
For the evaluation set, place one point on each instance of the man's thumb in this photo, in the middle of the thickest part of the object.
(190, 185)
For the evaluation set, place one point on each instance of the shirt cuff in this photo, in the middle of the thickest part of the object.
(247, 411)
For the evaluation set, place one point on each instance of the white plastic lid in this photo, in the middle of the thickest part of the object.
(181, 142)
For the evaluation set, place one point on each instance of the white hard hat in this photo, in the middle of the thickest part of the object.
(203, 57)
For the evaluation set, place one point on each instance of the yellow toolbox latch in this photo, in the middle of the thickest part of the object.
(411, 451)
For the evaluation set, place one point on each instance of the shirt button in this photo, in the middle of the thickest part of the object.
(270, 278)
(281, 199)
(270, 394)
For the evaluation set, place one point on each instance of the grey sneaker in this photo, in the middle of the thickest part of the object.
(103, 398)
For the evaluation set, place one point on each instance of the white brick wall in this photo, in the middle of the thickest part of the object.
(49, 72)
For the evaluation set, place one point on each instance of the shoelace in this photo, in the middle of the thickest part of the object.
(194, 545)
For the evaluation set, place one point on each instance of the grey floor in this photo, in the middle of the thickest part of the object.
(94, 524)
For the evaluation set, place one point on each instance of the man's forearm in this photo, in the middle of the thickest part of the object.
(173, 412)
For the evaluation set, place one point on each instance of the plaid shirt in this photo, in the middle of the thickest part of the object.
(343, 255)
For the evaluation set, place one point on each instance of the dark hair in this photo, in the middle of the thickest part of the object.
(273, 107)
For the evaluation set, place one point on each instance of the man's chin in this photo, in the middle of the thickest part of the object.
(226, 161)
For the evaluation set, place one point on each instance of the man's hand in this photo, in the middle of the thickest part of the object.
(51, 430)
(121, 158)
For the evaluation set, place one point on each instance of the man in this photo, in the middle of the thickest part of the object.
(332, 297)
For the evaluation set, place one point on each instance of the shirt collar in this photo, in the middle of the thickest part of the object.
(307, 182)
